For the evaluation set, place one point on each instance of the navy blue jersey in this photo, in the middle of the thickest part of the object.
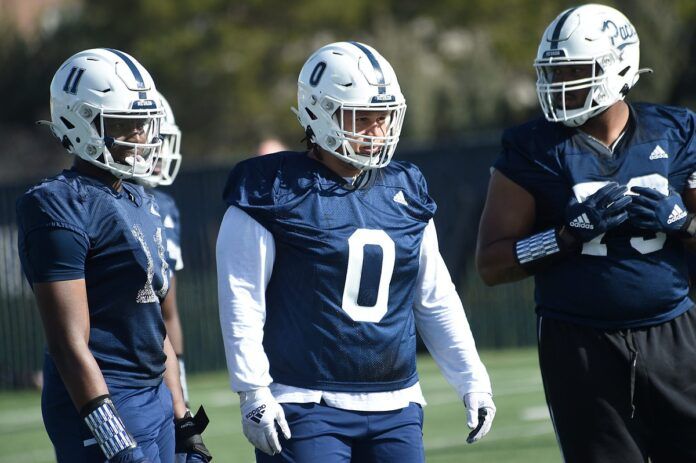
(169, 213)
(340, 298)
(119, 242)
(626, 277)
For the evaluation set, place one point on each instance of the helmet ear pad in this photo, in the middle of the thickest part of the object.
(98, 84)
(346, 78)
(595, 35)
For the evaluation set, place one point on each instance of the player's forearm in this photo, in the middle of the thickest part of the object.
(445, 330)
(79, 371)
(496, 263)
(171, 379)
(509, 260)
(170, 314)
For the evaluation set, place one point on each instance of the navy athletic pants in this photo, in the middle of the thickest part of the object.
(330, 435)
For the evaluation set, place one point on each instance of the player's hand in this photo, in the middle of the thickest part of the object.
(189, 458)
(189, 442)
(132, 455)
(260, 415)
(651, 210)
(480, 411)
(601, 211)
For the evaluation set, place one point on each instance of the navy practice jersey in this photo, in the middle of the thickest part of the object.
(626, 277)
(340, 298)
(115, 242)
(169, 213)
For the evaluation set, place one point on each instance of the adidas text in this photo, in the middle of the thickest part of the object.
(677, 214)
(582, 221)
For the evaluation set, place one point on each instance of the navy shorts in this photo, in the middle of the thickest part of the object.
(330, 435)
(147, 413)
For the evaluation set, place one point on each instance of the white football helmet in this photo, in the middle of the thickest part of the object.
(167, 168)
(339, 80)
(595, 35)
(97, 89)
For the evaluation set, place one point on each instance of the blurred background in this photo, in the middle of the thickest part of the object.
(229, 70)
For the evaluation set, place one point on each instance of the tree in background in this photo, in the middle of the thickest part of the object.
(230, 68)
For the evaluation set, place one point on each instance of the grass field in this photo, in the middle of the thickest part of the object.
(521, 432)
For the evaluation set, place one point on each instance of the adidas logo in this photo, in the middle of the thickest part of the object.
(658, 153)
(582, 221)
(256, 414)
(677, 214)
(399, 198)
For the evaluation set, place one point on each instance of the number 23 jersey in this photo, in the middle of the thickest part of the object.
(339, 303)
(626, 277)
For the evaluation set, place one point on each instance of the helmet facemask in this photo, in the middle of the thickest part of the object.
(130, 159)
(348, 140)
(558, 99)
(166, 167)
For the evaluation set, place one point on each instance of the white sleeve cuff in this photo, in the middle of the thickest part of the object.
(691, 181)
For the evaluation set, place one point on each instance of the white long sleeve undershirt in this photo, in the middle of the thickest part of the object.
(245, 256)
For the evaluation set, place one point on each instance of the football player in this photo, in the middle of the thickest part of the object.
(595, 200)
(92, 248)
(327, 263)
(164, 173)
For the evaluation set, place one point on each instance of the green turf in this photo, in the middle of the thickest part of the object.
(521, 432)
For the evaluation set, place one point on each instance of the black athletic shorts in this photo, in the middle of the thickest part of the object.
(621, 396)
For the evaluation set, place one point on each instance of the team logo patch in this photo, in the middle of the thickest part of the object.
(658, 153)
(582, 221)
(256, 414)
(399, 198)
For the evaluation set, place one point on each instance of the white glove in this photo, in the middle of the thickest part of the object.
(260, 413)
(480, 411)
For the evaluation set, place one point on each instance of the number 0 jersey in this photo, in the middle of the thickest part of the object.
(339, 303)
(626, 277)
(75, 227)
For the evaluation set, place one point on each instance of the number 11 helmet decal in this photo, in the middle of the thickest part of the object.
(338, 81)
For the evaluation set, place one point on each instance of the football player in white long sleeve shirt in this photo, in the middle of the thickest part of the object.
(327, 262)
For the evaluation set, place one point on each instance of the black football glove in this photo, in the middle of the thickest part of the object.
(601, 211)
(651, 210)
(188, 432)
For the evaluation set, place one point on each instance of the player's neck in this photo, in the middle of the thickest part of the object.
(339, 167)
(608, 126)
(83, 167)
